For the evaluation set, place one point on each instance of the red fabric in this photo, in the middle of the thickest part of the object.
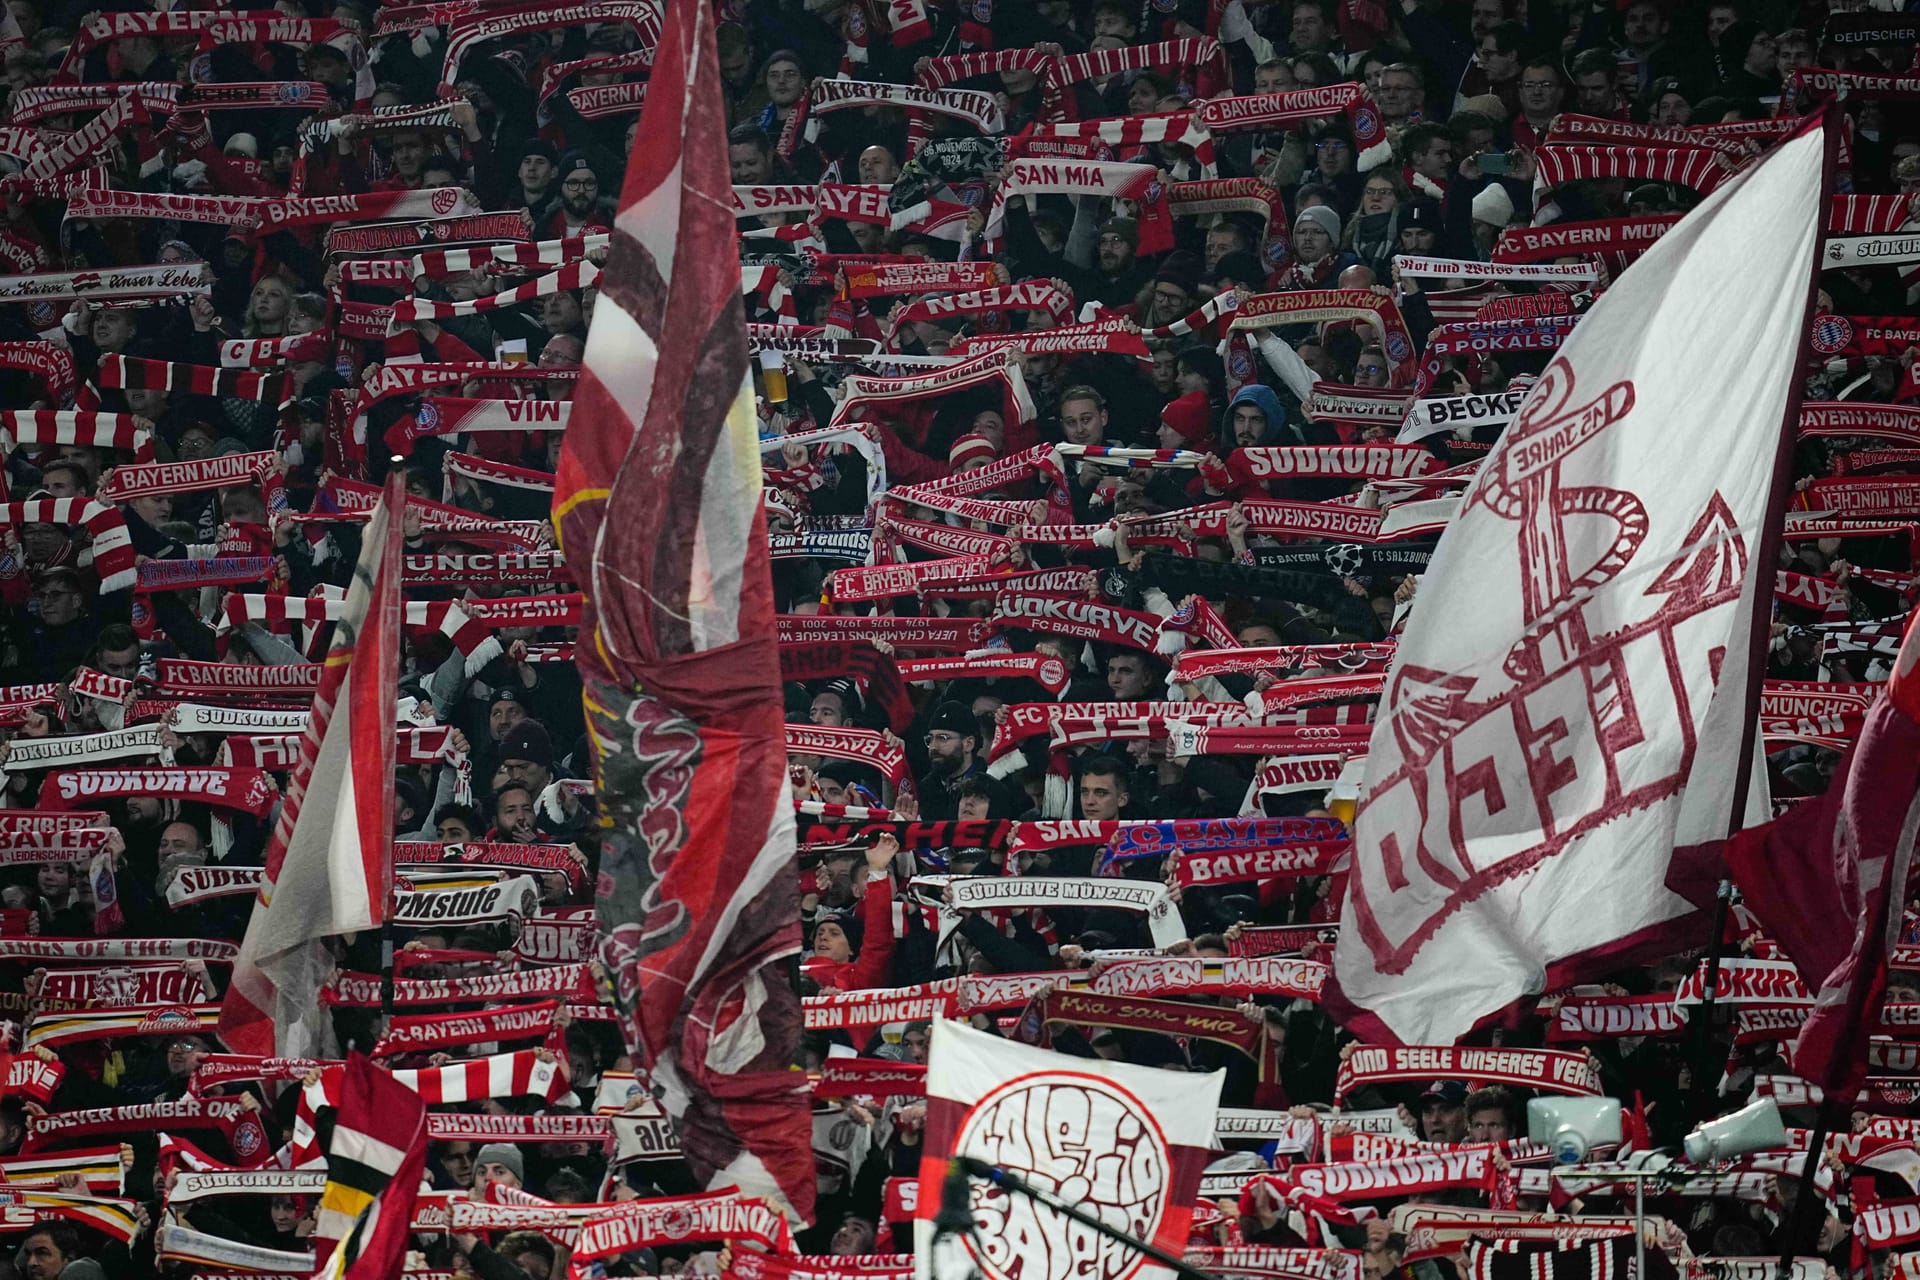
(1192, 416)
(1819, 879)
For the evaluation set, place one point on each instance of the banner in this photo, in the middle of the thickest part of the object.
(1126, 1142)
(1446, 922)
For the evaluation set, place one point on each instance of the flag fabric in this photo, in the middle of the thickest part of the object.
(330, 861)
(657, 503)
(375, 1161)
(1126, 1142)
(1829, 878)
(1547, 760)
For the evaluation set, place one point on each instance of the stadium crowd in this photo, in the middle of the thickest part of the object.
(1061, 310)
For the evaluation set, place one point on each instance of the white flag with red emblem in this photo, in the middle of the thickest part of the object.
(1127, 1143)
(1569, 709)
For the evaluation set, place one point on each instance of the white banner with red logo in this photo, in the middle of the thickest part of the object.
(1125, 1142)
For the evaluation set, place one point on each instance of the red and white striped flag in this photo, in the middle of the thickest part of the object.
(1128, 1143)
(330, 862)
(657, 502)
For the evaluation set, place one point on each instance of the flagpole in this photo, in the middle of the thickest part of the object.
(1001, 1178)
(1701, 1025)
(386, 962)
(1802, 1218)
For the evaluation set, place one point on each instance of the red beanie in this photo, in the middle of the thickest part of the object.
(969, 448)
(1191, 415)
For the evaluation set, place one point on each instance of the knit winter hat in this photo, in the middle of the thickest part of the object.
(1328, 220)
(1191, 416)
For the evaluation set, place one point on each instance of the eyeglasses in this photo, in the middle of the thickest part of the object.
(1369, 369)
(941, 737)
(579, 184)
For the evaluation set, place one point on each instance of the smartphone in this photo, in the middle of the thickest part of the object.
(1494, 164)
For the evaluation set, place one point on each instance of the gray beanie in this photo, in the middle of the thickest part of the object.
(1329, 220)
(503, 1153)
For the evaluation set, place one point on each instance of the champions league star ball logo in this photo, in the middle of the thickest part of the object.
(1831, 333)
(1345, 559)
(1085, 1139)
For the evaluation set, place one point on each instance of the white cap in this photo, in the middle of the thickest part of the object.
(1494, 205)
(243, 144)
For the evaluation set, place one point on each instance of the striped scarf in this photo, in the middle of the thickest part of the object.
(111, 550)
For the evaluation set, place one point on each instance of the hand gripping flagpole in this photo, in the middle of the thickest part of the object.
(962, 1167)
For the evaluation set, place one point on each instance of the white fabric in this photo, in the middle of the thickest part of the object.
(1465, 889)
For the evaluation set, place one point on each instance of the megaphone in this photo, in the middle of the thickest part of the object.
(1754, 1127)
(1573, 1126)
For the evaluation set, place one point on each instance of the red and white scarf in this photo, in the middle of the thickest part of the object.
(1294, 107)
(1606, 235)
(1139, 184)
(239, 1123)
(130, 285)
(362, 990)
(502, 1075)
(1544, 1070)
(441, 263)
(139, 480)
(280, 213)
(249, 790)
(427, 1032)
(1029, 295)
(1701, 167)
(575, 275)
(51, 363)
(474, 28)
(188, 678)
(111, 548)
(47, 428)
(1316, 306)
(389, 237)
(255, 353)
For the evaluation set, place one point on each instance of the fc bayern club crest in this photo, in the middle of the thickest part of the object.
(1831, 333)
(1366, 125)
(428, 415)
